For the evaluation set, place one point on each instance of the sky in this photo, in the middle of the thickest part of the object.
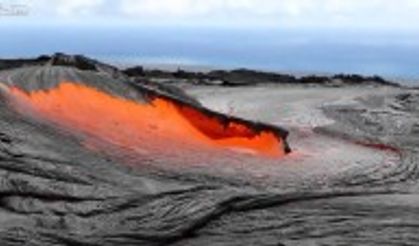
(351, 36)
(380, 15)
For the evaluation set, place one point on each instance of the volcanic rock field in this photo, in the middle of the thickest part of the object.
(97, 156)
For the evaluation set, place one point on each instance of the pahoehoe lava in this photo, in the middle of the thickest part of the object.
(90, 155)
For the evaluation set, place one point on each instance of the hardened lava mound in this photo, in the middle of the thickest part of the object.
(131, 116)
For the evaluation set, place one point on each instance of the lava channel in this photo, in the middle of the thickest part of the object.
(128, 123)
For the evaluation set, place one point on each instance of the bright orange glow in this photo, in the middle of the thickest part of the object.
(130, 123)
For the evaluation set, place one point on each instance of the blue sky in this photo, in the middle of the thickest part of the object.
(350, 36)
(380, 15)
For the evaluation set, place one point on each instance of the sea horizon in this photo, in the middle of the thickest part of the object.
(392, 56)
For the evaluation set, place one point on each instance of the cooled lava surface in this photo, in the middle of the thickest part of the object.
(91, 158)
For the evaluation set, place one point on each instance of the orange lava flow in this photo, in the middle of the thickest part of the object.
(130, 123)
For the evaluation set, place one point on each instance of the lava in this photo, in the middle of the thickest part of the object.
(379, 146)
(161, 122)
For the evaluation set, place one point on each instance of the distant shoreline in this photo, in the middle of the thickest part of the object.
(205, 68)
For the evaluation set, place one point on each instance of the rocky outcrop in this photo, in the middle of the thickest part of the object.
(60, 59)
(84, 63)
(15, 63)
(76, 61)
(136, 71)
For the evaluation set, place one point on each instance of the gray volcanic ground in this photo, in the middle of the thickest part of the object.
(351, 178)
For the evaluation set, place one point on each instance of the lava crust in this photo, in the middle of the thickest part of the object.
(91, 157)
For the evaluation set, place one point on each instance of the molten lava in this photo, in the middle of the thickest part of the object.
(130, 123)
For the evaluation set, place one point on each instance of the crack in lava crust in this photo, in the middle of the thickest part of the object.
(161, 123)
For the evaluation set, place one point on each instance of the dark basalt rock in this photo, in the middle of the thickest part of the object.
(358, 79)
(15, 63)
(84, 63)
(245, 76)
(137, 71)
(76, 61)
(251, 77)
(312, 79)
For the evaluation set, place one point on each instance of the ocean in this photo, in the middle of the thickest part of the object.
(390, 54)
